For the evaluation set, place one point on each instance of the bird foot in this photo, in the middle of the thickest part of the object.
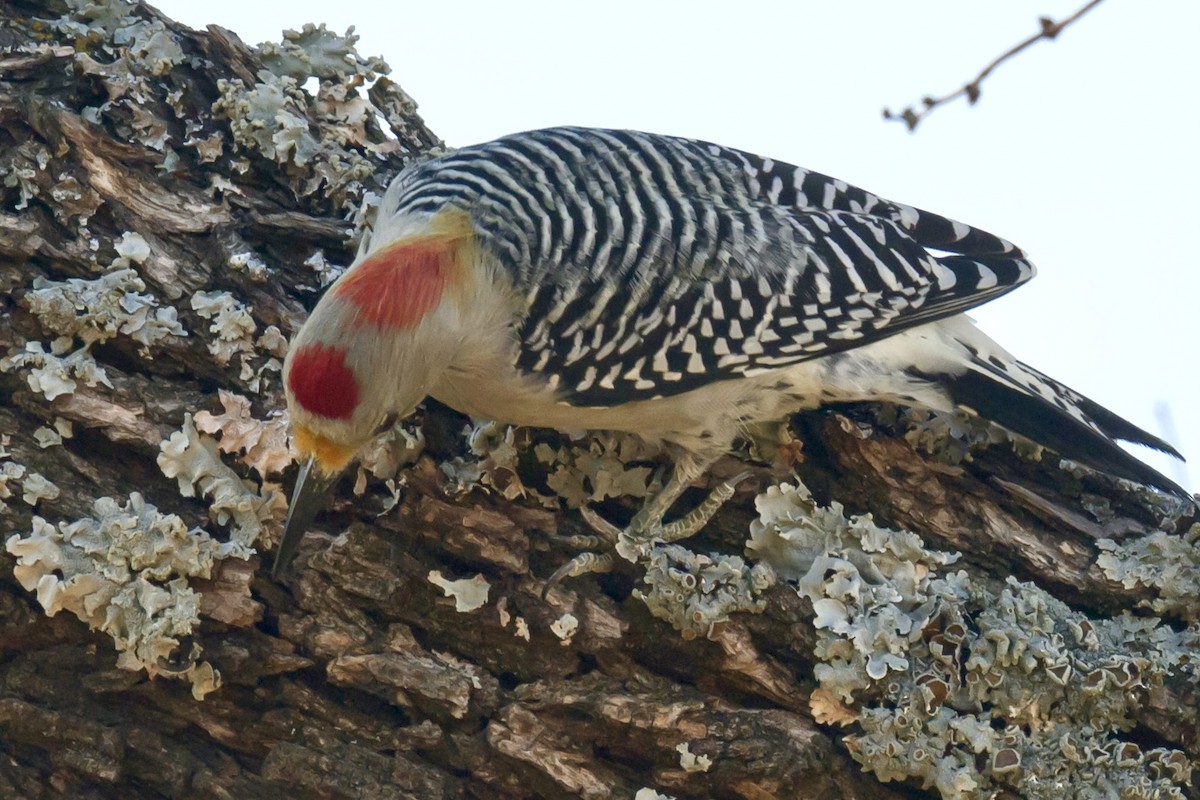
(645, 531)
(635, 541)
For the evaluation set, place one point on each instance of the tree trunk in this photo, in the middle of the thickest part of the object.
(172, 202)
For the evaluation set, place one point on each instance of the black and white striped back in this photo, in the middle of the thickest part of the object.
(652, 265)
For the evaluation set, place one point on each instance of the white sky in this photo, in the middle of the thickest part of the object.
(1082, 151)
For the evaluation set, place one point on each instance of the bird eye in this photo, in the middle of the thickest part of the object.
(387, 423)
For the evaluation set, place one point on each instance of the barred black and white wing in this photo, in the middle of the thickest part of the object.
(644, 267)
(651, 266)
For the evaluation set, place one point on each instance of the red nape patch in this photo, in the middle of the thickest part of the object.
(399, 285)
(322, 383)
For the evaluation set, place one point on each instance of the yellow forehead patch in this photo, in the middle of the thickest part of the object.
(329, 456)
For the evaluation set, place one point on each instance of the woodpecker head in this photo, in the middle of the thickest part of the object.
(369, 353)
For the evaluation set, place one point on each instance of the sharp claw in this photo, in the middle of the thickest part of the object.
(656, 481)
(736, 479)
(582, 564)
(599, 524)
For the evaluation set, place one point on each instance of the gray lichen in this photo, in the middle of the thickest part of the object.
(262, 445)
(949, 436)
(10, 473)
(14, 477)
(597, 469)
(147, 41)
(269, 118)
(37, 488)
(95, 311)
(966, 688)
(124, 571)
(693, 592)
(47, 437)
(469, 593)
(331, 142)
(696, 592)
(323, 141)
(565, 627)
(233, 327)
(383, 459)
(51, 374)
(19, 170)
(492, 464)
(315, 51)
(251, 263)
(91, 312)
(195, 463)
(233, 324)
(646, 793)
(1057, 760)
(1166, 563)
(870, 587)
(586, 470)
(128, 52)
(326, 273)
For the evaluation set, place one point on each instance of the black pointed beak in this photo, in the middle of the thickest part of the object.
(308, 497)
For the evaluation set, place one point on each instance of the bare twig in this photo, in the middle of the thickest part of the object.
(971, 90)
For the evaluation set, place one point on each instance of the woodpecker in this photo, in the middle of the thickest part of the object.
(578, 278)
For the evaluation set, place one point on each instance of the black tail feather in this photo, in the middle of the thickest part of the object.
(1042, 421)
(1107, 421)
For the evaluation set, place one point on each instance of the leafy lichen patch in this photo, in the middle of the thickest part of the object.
(696, 592)
(1164, 562)
(469, 593)
(124, 571)
(965, 687)
(94, 311)
(195, 463)
(50, 373)
(264, 445)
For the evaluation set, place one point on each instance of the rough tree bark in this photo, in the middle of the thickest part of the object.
(171, 202)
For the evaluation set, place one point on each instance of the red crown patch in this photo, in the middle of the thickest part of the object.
(322, 382)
